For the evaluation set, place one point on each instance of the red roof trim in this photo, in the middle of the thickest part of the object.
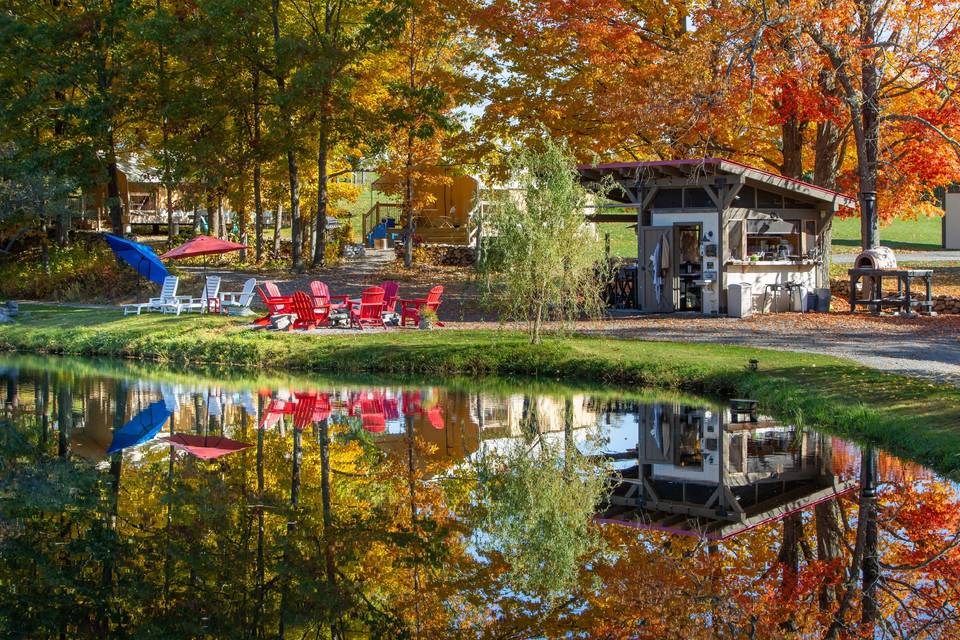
(712, 161)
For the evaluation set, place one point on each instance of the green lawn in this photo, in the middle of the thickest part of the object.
(922, 234)
(915, 418)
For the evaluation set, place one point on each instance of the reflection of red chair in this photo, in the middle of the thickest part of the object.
(410, 309)
(303, 414)
(308, 316)
(369, 312)
(275, 304)
(274, 411)
(390, 291)
(322, 408)
(371, 415)
(391, 408)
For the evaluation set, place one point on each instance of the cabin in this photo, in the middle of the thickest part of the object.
(707, 472)
(716, 236)
(142, 199)
(446, 202)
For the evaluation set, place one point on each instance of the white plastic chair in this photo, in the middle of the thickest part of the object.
(211, 291)
(168, 295)
(238, 302)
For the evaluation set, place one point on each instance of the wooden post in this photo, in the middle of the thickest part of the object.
(853, 292)
(907, 298)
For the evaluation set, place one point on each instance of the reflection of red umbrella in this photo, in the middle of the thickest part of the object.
(202, 246)
(205, 447)
(435, 416)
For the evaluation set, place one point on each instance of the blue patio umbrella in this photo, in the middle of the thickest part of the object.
(139, 256)
(144, 426)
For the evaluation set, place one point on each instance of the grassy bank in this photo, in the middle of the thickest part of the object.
(914, 418)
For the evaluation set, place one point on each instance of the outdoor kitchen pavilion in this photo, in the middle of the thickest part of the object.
(711, 227)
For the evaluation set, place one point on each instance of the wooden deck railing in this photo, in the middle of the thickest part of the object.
(472, 235)
(376, 214)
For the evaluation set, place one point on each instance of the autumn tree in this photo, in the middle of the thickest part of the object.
(541, 251)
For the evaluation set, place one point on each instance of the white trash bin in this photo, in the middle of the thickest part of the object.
(740, 300)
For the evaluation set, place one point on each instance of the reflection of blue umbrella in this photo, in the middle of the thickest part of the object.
(142, 428)
(139, 256)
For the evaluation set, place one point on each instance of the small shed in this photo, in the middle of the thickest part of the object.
(709, 228)
(444, 202)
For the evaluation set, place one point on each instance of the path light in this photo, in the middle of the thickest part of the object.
(754, 364)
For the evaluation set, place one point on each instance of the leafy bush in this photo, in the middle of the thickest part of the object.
(86, 271)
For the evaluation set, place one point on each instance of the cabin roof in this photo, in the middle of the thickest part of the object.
(691, 167)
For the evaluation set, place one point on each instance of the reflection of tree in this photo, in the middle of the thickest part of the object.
(366, 543)
(538, 498)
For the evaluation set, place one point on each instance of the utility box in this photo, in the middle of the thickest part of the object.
(951, 220)
(740, 300)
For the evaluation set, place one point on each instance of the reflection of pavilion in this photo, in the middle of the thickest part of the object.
(699, 473)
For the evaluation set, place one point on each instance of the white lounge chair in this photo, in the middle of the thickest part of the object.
(211, 291)
(168, 295)
(238, 302)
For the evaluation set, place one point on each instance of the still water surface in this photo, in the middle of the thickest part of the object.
(147, 503)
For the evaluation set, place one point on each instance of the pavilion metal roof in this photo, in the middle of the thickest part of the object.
(711, 166)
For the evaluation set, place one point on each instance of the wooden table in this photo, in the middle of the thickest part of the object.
(902, 301)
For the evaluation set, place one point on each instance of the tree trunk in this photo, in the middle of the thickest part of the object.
(213, 220)
(868, 162)
(826, 166)
(792, 133)
(292, 171)
(242, 222)
(63, 227)
(64, 418)
(257, 187)
(829, 544)
(113, 190)
(408, 186)
(870, 609)
(196, 218)
(327, 510)
(319, 250)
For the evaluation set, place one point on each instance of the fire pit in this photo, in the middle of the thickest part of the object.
(869, 270)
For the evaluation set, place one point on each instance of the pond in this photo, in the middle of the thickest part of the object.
(137, 501)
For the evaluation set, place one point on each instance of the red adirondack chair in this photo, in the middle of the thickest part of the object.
(275, 304)
(369, 312)
(410, 309)
(390, 291)
(308, 315)
(321, 296)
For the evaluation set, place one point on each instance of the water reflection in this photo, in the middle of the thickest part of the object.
(167, 506)
(704, 472)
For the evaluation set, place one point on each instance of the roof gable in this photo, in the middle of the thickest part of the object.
(700, 168)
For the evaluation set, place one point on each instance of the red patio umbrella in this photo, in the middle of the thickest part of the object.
(202, 246)
(205, 447)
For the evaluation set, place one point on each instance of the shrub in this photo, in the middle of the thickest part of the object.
(85, 271)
